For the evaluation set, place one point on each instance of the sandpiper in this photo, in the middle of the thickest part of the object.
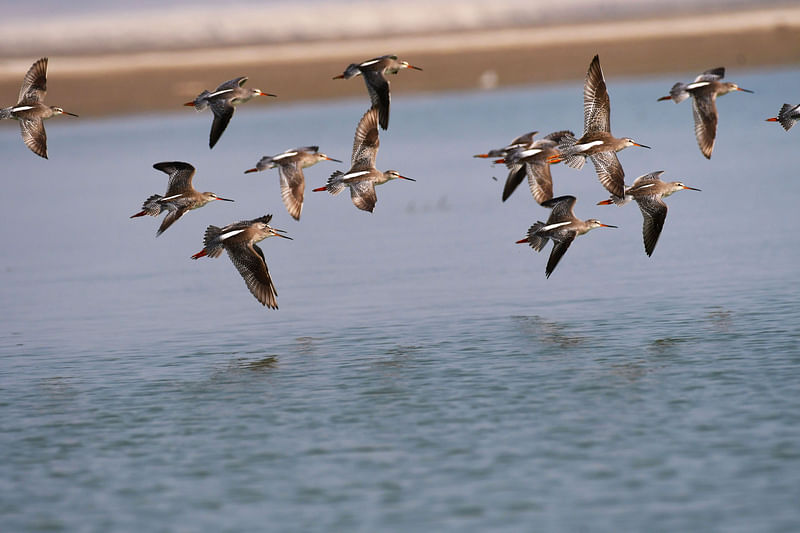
(649, 191)
(290, 168)
(787, 116)
(222, 102)
(532, 161)
(524, 140)
(30, 111)
(561, 227)
(363, 176)
(180, 196)
(239, 240)
(597, 143)
(704, 91)
(374, 71)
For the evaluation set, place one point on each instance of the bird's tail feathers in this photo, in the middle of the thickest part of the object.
(335, 184)
(151, 207)
(201, 102)
(616, 200)
(784, 116)
(567, 153)
(679, 93)
(5, 112)
(211, 241)
(536, 240)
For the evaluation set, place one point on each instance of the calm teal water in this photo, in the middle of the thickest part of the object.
(421, 373)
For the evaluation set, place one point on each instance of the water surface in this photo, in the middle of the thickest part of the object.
(421, 373)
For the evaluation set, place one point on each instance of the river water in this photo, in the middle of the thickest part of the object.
(421, 373)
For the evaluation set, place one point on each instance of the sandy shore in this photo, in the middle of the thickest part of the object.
(93, 85)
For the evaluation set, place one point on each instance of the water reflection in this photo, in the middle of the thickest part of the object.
(719, 319)
(548, 332)
(265, 364)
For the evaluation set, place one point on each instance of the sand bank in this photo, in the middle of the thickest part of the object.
(136, 81)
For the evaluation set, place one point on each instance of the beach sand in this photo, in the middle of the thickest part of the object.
(145, 81)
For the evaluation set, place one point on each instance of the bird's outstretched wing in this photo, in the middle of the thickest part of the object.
(34, 135)
(596, 104)
(704, 109)
(180, 176)
(559, 249)
(654, 213)
(293, 186)
(379, 94)
(366, 141)
(34, 84)
(223, 111)
(363, 195)
(249, 261)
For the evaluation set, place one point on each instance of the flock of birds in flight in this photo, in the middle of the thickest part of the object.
(531, 159)
(524, 157)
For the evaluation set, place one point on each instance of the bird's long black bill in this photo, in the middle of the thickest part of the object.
(280, 233)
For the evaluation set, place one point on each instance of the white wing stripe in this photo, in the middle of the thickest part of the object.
(556, 225)
(589, 145)
(230, 234)
(219, 92)
(355, 174)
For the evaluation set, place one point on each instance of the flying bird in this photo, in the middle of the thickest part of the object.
(374, 73)
(363, 176)
(222, 102)
(30, 110)
(532, 162)
(649, 192)
(704, 91)
(597, 143)
(787, 116)
(524, 140)
(239, 240)
(562, 227)
(180, 196)
(290, 169)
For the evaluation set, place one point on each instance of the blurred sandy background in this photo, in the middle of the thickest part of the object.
(109, 57)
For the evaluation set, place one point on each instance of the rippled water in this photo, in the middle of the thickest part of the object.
(421, 373)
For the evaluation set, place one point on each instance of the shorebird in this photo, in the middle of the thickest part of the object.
(524, 140)
(597, 143)
(787, 116)
(180, 196)
(290, 168)
(561, 227)
(374, 71)
(532, 161)
(704, 91)
(649, 191)
(239, 240)
(30, 111)
(222, 102)
(363, 176)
